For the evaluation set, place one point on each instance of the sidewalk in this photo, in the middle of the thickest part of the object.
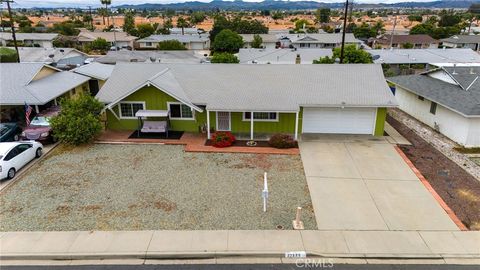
(82, 245)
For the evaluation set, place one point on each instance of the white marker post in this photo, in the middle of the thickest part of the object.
(265, 192)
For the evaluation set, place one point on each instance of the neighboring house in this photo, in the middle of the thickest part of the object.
(446, 99)
(282, 56)
(187, 56)
(58, 56)
(98, 73)
(422, 59)
(254, 100)
(36, 84)
(269, 41)
(44, 40)
(462, 41)
(118, 39)
(324, 40)
(399, 41)
(191, 42)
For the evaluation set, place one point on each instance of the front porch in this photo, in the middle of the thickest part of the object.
(193, 142)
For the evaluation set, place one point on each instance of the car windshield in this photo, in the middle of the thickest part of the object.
(3, 129)
(40, 121)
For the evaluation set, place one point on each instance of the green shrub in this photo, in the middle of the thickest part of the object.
(282, 141)
(224, 58)
(171, 45)
(8, 55)
(78, 121)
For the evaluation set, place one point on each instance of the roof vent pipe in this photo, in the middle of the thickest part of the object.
(454, 69)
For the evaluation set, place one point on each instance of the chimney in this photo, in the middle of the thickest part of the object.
(298, 59)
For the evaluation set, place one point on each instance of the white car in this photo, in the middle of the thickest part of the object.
(15, 155)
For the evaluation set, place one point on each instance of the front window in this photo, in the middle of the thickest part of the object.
(180, 111)
(433, 108)
(40, 121)
(148, 44)
(261, 116)
(128, 109)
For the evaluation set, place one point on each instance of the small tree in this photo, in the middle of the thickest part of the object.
(227, 41)
(323, 15)
(129, 24)
(352, 55)
(257, 41)
(170, 45)
(144, 30)
(100, 44)
(224, 57)
(79, 120)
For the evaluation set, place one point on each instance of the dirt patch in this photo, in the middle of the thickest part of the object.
(165, 205)
(459, 189)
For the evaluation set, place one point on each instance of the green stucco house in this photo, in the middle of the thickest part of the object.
(250, 99)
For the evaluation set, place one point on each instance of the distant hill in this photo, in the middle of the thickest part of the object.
(287, 5)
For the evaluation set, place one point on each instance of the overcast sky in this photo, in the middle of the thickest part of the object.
(93, 3)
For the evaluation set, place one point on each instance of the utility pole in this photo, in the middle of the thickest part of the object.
(393, 31)
(90, 14)
(13, 26)
(342, 49)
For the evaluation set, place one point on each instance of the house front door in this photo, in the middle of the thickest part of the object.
(223, 121)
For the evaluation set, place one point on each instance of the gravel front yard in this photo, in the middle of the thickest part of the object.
(155, 187)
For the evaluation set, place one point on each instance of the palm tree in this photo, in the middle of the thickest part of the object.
(106, 3)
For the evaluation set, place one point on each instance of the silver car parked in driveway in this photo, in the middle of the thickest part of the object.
(15, 155)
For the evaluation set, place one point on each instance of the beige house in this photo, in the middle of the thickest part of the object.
(118, 39)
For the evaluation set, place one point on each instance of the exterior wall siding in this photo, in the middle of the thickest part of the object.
(154, 100)
(452, 124)
(380, 121)
(285, 124)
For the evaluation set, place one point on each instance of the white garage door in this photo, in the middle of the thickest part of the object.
(338, 120)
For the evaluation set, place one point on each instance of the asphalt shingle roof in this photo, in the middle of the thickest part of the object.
(467, 102)
(95, 70)
(28, 36)
(463, 39)
(425, 56)
(282, 56)
(181, 38)
(258, 87)
(17, 86)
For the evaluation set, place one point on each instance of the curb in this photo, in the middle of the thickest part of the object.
(432, 191)
(219, 254)
(25, 169)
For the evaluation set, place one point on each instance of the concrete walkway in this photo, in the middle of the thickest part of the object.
(364, 184)
(83, 245)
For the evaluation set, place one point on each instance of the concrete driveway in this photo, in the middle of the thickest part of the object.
(364, 184)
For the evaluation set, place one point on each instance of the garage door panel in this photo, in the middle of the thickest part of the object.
(338, 120)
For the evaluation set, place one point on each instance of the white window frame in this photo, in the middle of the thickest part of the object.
(261, 120)
(129, 102)
(181, 118)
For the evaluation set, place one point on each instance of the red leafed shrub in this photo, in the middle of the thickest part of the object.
(282, 141)
(222, 139)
